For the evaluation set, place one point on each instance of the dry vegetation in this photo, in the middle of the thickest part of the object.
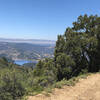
(85, 89)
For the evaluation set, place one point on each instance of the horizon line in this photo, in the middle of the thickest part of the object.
(27, 39)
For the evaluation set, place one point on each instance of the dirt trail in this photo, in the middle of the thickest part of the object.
(85, 89)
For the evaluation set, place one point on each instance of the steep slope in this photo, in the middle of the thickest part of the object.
(85, 89)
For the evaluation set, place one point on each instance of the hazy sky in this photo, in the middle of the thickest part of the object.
(41, 19)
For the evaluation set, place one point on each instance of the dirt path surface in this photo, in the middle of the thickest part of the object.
(85, 89)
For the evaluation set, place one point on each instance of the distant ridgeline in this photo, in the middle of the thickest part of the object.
(26, 51)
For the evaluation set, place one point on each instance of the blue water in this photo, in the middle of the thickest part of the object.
(21, 62)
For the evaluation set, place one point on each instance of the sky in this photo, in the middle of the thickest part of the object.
(42, 19)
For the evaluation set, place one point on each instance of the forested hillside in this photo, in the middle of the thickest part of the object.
(11, 80)
(76, 52)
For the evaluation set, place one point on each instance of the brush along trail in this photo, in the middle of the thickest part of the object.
(85, 89)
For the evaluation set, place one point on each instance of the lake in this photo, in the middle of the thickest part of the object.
(21, 62)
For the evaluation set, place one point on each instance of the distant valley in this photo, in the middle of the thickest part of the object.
(17, 49)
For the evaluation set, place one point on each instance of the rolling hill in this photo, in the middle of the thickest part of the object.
(23, 49)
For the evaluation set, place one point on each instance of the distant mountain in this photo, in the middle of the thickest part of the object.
(32, 41)
(26, 51)
(29, 49)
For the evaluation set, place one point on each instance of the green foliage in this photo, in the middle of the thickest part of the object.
(10, 87)
(17, 81)
(13, 80)
(81, 44)
(77, 52)
(46, 72)
(70, 82)
(63, 63)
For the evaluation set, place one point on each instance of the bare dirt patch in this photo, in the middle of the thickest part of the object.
(85, 89)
